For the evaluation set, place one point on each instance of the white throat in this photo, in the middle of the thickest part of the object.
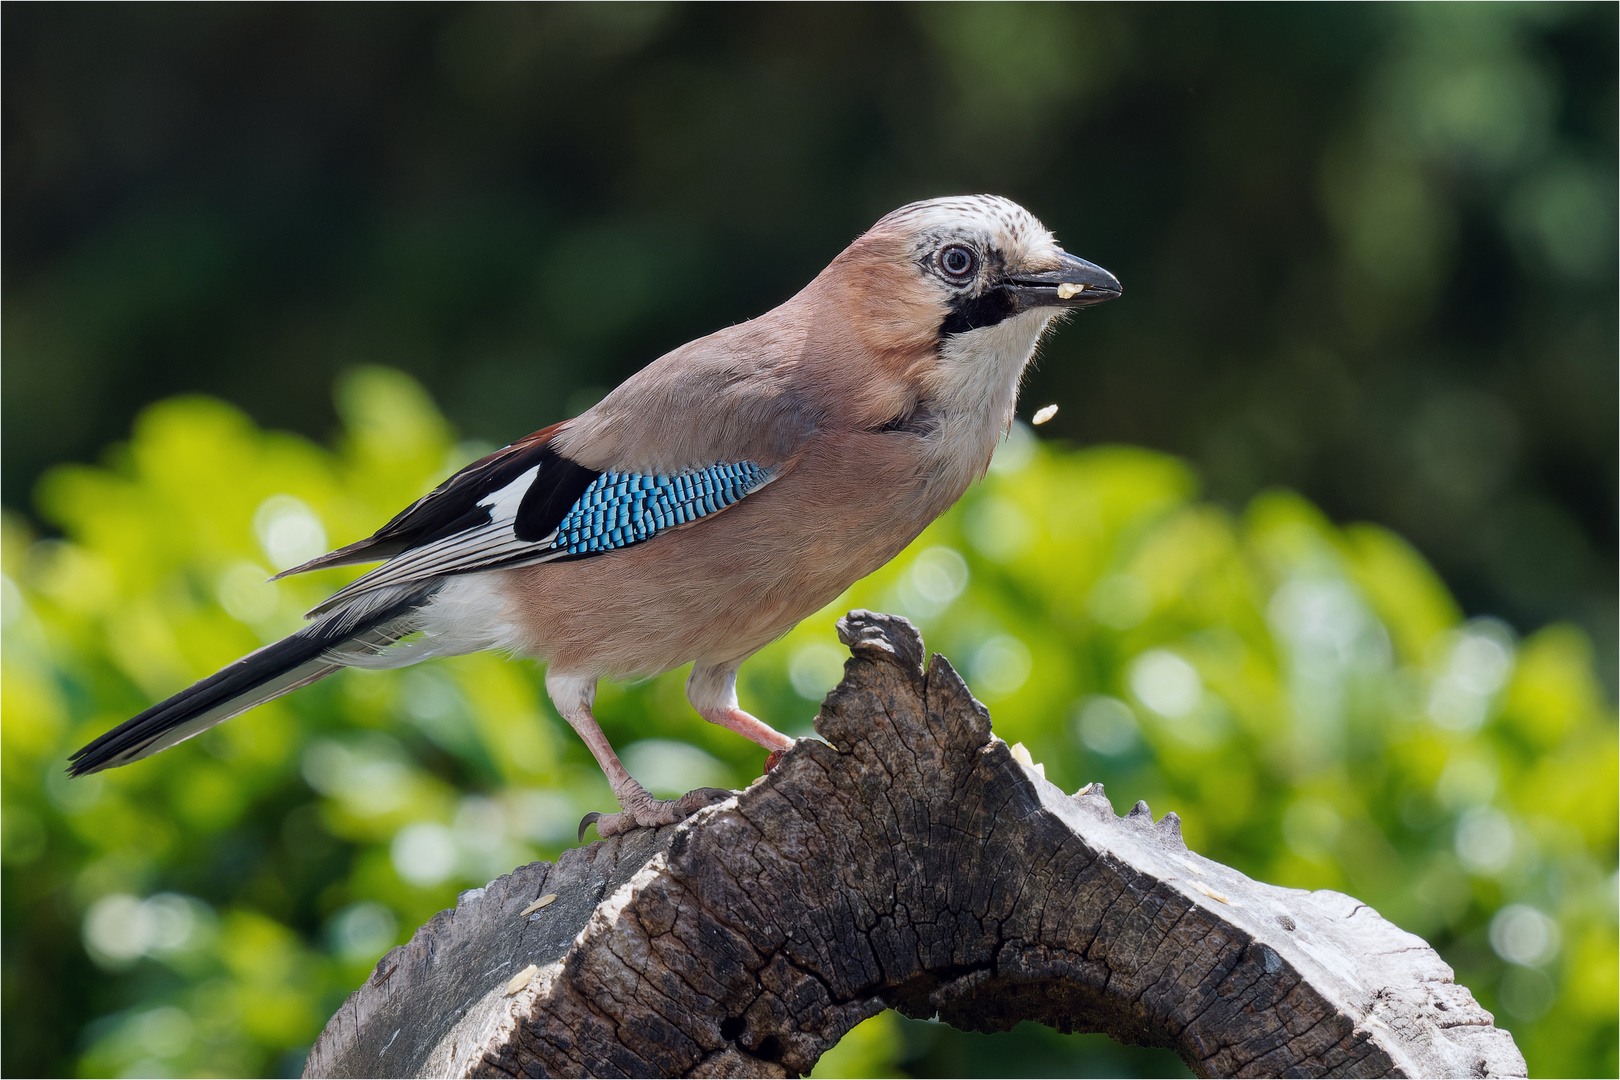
(974, 390)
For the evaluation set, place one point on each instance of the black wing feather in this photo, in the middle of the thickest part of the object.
(556, 488)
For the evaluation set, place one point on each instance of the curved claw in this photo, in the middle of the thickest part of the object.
(772, 760)
(586, 822)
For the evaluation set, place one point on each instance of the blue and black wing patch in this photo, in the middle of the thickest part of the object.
(620, 509)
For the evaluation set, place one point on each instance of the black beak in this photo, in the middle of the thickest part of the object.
(1074, 284)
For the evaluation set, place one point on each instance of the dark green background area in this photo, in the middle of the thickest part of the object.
(1368, 251)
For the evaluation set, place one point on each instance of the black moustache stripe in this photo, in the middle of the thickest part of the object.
(977, 312)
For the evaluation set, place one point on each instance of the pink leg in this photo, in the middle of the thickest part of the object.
(749, 727)
(713, 693)
(638, 809)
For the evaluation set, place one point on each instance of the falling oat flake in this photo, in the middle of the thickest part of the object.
(1043, 414)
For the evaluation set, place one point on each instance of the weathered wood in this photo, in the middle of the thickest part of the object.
(911, 863)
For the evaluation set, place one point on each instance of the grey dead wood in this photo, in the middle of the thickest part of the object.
(909, 862)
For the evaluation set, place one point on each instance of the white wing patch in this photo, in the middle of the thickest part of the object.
(503, 504)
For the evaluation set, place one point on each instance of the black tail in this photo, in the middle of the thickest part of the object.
(312, 653)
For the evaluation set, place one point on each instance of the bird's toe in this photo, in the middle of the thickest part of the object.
(695, 800)
(649, 813)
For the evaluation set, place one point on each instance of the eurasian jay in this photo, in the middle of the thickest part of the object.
(721, 494)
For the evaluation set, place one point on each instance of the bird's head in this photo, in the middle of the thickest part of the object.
(984, 259)
(954, 294)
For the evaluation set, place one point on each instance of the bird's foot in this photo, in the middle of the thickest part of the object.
(640, 810)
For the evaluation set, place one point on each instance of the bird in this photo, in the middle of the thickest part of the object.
(705, 506)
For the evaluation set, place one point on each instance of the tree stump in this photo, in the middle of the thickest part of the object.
(908, 862)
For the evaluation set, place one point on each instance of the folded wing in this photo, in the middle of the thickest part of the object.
(527, 504)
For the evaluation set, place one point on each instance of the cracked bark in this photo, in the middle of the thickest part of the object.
(912, 863)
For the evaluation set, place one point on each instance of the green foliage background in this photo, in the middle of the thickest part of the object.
(1308, 698)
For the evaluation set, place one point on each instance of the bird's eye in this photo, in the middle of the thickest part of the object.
(957, 261)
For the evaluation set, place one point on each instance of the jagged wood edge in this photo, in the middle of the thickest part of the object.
(919, 866)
